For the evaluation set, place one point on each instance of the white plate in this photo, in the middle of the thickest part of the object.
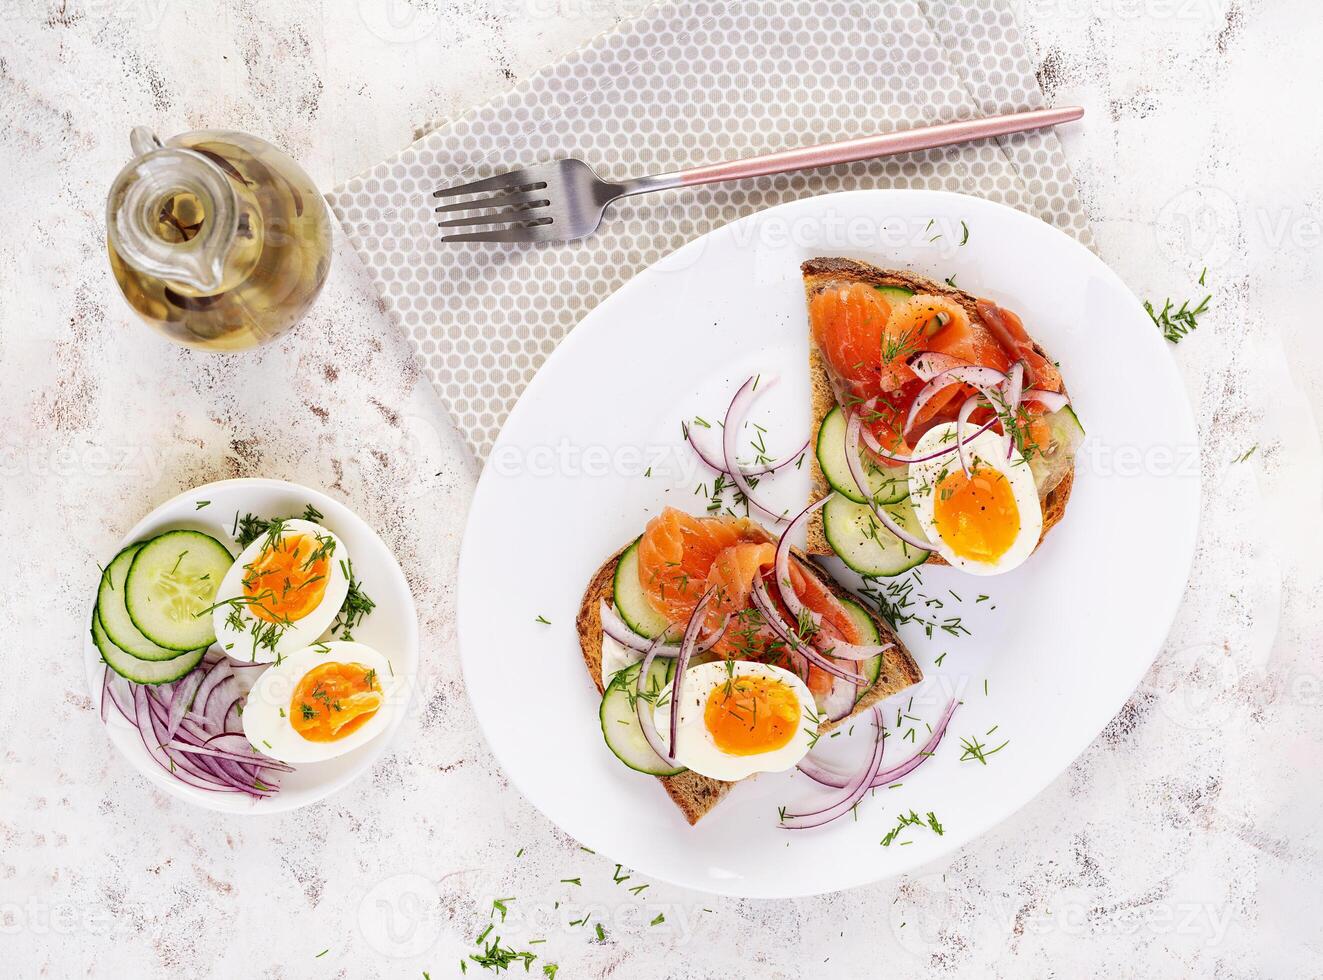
(391, 628)
(1072, 631)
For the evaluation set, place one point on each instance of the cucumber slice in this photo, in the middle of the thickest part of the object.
(141, 671)
(1050, 466)
(173, 578)
(865, 545)
(631, 604)
(894, 294)
(620, 720)
(114, 614)
(887, 485)
(869, 636)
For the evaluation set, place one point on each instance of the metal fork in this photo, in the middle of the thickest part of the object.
(565, 199)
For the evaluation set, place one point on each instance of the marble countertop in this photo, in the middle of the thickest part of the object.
(1184, 841)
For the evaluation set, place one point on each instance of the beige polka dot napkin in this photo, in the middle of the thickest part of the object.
(686, 84)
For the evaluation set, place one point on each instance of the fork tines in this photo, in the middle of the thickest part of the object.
(514, 205)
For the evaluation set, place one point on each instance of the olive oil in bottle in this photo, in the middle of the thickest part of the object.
(217, 239)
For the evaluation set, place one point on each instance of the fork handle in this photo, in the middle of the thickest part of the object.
(863, 148)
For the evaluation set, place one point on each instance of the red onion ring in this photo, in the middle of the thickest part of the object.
(1053, 401)
(877, 449)
(970, 374)
(782, 567)
(931, 363)
(763, 603)
(856, 465)
(828, 776)
(753, 469)
(739, 407)
(1015, 385)
(247, 758)
(682, 661)
(855, 790)
(643, 708)
(143, 722)
(616, 628)
(180, 700)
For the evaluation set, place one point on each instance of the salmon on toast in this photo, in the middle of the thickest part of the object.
(721, 652)
(942, 431)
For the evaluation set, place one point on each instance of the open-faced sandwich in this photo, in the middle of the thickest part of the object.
(721, 652)
(943, 428)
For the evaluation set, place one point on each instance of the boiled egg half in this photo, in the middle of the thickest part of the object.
(282, 593)
(985, 521)
(739, 717)
(321, 702)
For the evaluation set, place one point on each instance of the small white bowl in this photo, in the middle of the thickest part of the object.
(392, 628)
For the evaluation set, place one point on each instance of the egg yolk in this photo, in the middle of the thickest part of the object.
(287, 580)
(334, 700)
(976, 514)
(749, 715)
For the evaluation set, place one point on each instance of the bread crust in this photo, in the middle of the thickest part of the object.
(822, 273)
(696, 795)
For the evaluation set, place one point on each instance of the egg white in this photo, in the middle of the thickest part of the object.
(266, 720)
(239, 642)
(695, 747)
(989, 448)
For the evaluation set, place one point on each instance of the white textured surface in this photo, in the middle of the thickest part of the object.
(1184, 842)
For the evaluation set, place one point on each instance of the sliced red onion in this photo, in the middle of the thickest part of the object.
(880, 451)
(840, 650)
(121, 695)
(739, 408)
(929, 747)
(105, 694)
(188, 764)
(932, 363)
(183, 742)
(250, 758)
(218, 702)
(234, 716)
(142, 713)
(748, 469)
(1053, 401)
(682, 661)
(840, 700)
(966, 409)
(854, 791)
(763, 603)
(616, 628)
(856, 465)
(643, 708)
(970, 374)
(1015, 385)
(180, 701)
(217, 673)
(782, 567)
(828, 776)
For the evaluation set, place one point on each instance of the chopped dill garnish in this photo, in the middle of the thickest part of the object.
(977, 751)
(1175, 322)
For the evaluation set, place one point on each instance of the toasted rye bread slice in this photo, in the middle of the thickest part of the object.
(696, 795)
(820, 274)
